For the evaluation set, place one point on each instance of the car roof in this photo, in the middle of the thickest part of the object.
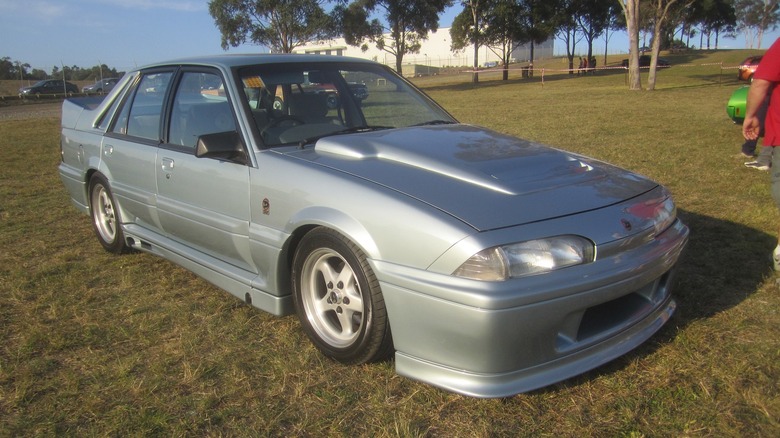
(238, 60)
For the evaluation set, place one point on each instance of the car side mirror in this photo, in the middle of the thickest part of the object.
(222, 146)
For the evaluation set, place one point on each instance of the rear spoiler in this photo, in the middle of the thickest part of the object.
(74, 108)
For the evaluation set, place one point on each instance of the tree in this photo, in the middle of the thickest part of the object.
(467, 28)
(568, 30)
(615, 23)
(662, 11)
(406, 24)
(281, 25)
(594, 18)
(754, 17)
(503, 30)
(536, 21)
(631, 12)
(713, 16)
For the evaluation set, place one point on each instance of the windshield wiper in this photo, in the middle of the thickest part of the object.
(435, 122)
(352, 130)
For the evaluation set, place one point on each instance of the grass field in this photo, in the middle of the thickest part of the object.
(96, 345)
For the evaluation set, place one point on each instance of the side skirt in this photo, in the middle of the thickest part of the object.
(235, 281)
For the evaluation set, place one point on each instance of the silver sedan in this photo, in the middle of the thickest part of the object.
(485, 264)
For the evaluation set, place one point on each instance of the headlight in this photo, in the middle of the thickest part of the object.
(527, 258)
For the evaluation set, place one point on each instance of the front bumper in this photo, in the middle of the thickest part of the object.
(501, 339)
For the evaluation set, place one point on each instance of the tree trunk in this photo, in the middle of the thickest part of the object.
(475, 20)
(475, 75)
(631, 12)
(655, 50)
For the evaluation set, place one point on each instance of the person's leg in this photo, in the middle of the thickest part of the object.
(775, 175)
(749, 148)
(765, 155)
(764, 159)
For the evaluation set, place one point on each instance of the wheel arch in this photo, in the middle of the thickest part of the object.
(311, 218)
(88, 182)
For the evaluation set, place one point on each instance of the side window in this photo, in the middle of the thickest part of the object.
(105, 119)
(141, 114)
(388, 106)
(200, 107)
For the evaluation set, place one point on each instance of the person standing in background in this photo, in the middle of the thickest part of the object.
(765, 79)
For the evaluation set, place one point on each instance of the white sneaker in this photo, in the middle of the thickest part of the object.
(756, 165)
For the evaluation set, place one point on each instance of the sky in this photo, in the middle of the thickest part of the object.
(125, 34)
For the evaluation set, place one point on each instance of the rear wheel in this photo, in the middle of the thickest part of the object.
(338, 299)
(105, 216)
(332, 101)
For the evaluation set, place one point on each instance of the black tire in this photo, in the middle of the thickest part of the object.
(332, 101)
(338, 299)
(106, 220)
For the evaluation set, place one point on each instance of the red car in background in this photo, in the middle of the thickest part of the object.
(748, 67)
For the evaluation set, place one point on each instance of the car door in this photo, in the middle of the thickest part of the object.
(129, 149)
(203, 202)
(53, 87)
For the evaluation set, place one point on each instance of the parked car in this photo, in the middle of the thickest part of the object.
(486, 264)
(748, 67)
(644, 61)
(49, 86)
(330, 91)
(102, 86)
(735, 108)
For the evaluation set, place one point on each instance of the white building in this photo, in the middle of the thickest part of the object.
(435, 52)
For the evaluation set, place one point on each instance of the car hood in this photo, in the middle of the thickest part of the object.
(486, 179)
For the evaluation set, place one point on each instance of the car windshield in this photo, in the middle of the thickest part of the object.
(298, 103)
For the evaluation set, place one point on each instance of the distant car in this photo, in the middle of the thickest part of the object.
(748, 67)
(486, 264)
(49, 86)
(101, 86)
(359, 92)
(644, 61)
(735, 108)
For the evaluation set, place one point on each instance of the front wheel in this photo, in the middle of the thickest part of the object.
(105, 216)
(338, 299)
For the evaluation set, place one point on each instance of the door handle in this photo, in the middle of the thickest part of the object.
(167, 164)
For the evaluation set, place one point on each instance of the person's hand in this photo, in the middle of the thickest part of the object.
(750, 128)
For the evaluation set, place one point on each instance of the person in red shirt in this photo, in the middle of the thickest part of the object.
(765, 79)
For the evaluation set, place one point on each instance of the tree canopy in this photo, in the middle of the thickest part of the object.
(406, 23)
(755, 17)
(399, 27)
(281, 25)
(17, 70)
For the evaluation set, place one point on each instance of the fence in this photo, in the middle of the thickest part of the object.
(725, 73)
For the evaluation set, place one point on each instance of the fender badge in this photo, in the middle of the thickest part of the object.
(266, 206)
